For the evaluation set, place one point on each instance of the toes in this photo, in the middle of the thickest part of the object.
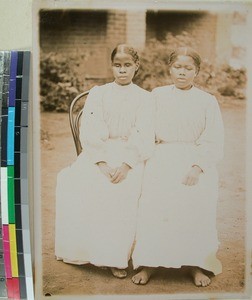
(206, 282)
(143, 276)
(202, 282)
(136, 280)
(119, 273)
(143, 281)
(197, 283)
(139, 279)
(200, 279)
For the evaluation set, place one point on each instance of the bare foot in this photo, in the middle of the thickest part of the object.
(119, 273)
(143, 276)
(199, 278)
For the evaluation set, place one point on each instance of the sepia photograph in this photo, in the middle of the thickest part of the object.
(140, 159)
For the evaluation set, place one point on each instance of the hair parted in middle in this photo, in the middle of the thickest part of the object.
(185, 51)
(124, 48)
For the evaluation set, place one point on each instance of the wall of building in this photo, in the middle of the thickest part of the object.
(202, 26)
(94, 33)
(91, 33)
(72, 30)
(238, 38)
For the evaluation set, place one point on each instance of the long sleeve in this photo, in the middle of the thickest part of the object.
(210, 143)
(93, 130)
(141, 141)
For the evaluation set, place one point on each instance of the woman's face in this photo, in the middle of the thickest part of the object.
(124, 68)
(183, 72)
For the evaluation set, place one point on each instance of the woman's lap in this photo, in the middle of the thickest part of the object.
(175, 218)
(98, 216)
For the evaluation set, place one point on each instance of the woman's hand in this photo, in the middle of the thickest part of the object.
(105, 169)
(192, 177)
(120, 173)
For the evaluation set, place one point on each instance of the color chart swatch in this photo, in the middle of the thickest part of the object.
(15, 252)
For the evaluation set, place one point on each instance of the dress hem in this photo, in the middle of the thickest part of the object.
(178, 266)
(80, 262)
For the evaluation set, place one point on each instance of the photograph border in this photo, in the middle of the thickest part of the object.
(36, 152)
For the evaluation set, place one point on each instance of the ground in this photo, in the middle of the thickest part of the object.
(57, 150)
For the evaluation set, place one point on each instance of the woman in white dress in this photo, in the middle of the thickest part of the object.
(177, 216)
(97, 196)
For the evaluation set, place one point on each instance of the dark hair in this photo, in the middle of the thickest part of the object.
(124, 48)
(186, 51)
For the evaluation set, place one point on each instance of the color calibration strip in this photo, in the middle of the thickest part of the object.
(15, 251)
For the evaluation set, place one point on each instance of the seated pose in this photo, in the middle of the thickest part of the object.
(97, 196)
(177, 214)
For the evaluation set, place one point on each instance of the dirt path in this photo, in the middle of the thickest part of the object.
(63, 279)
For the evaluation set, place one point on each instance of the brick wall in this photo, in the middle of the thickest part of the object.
(96, 32)
(201, 25)
(116, 33)
(93, 33)
(136, 28)
(76, 32)
(116, 28)
(72, 30)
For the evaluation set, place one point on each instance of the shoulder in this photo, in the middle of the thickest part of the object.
(206, 99)
(141, 96)
(140, 90)
(205, 96)
(100, 88)
(97, 92)
(95, 95)
(162, 90)
(161, 95)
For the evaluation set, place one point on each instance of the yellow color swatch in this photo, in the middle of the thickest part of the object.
(13, 249)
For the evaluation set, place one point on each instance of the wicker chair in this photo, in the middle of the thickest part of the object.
(74, 119)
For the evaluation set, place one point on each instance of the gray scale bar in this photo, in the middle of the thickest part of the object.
(24, 114)
(25, 79)
(26, 243)
(1, 257)
(23, 166)
(6, 62)
(25, 216)
(1, 62)
(22, 286)
(3, 290)
(2, 270)
(24, 191)
(24, 139)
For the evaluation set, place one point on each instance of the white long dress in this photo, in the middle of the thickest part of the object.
(96, 219)
(177, 223)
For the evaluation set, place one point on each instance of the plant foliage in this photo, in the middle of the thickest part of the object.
(62, 75)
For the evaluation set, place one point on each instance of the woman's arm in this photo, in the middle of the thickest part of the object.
(209, 145)
(211, 142)
(93, 130)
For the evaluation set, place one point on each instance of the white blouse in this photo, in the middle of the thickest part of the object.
(114, 112)
(190, 116)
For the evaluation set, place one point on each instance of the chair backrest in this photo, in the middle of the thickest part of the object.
(74, 119)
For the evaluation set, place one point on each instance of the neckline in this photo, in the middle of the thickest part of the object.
(181, 90)
(118, 86)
